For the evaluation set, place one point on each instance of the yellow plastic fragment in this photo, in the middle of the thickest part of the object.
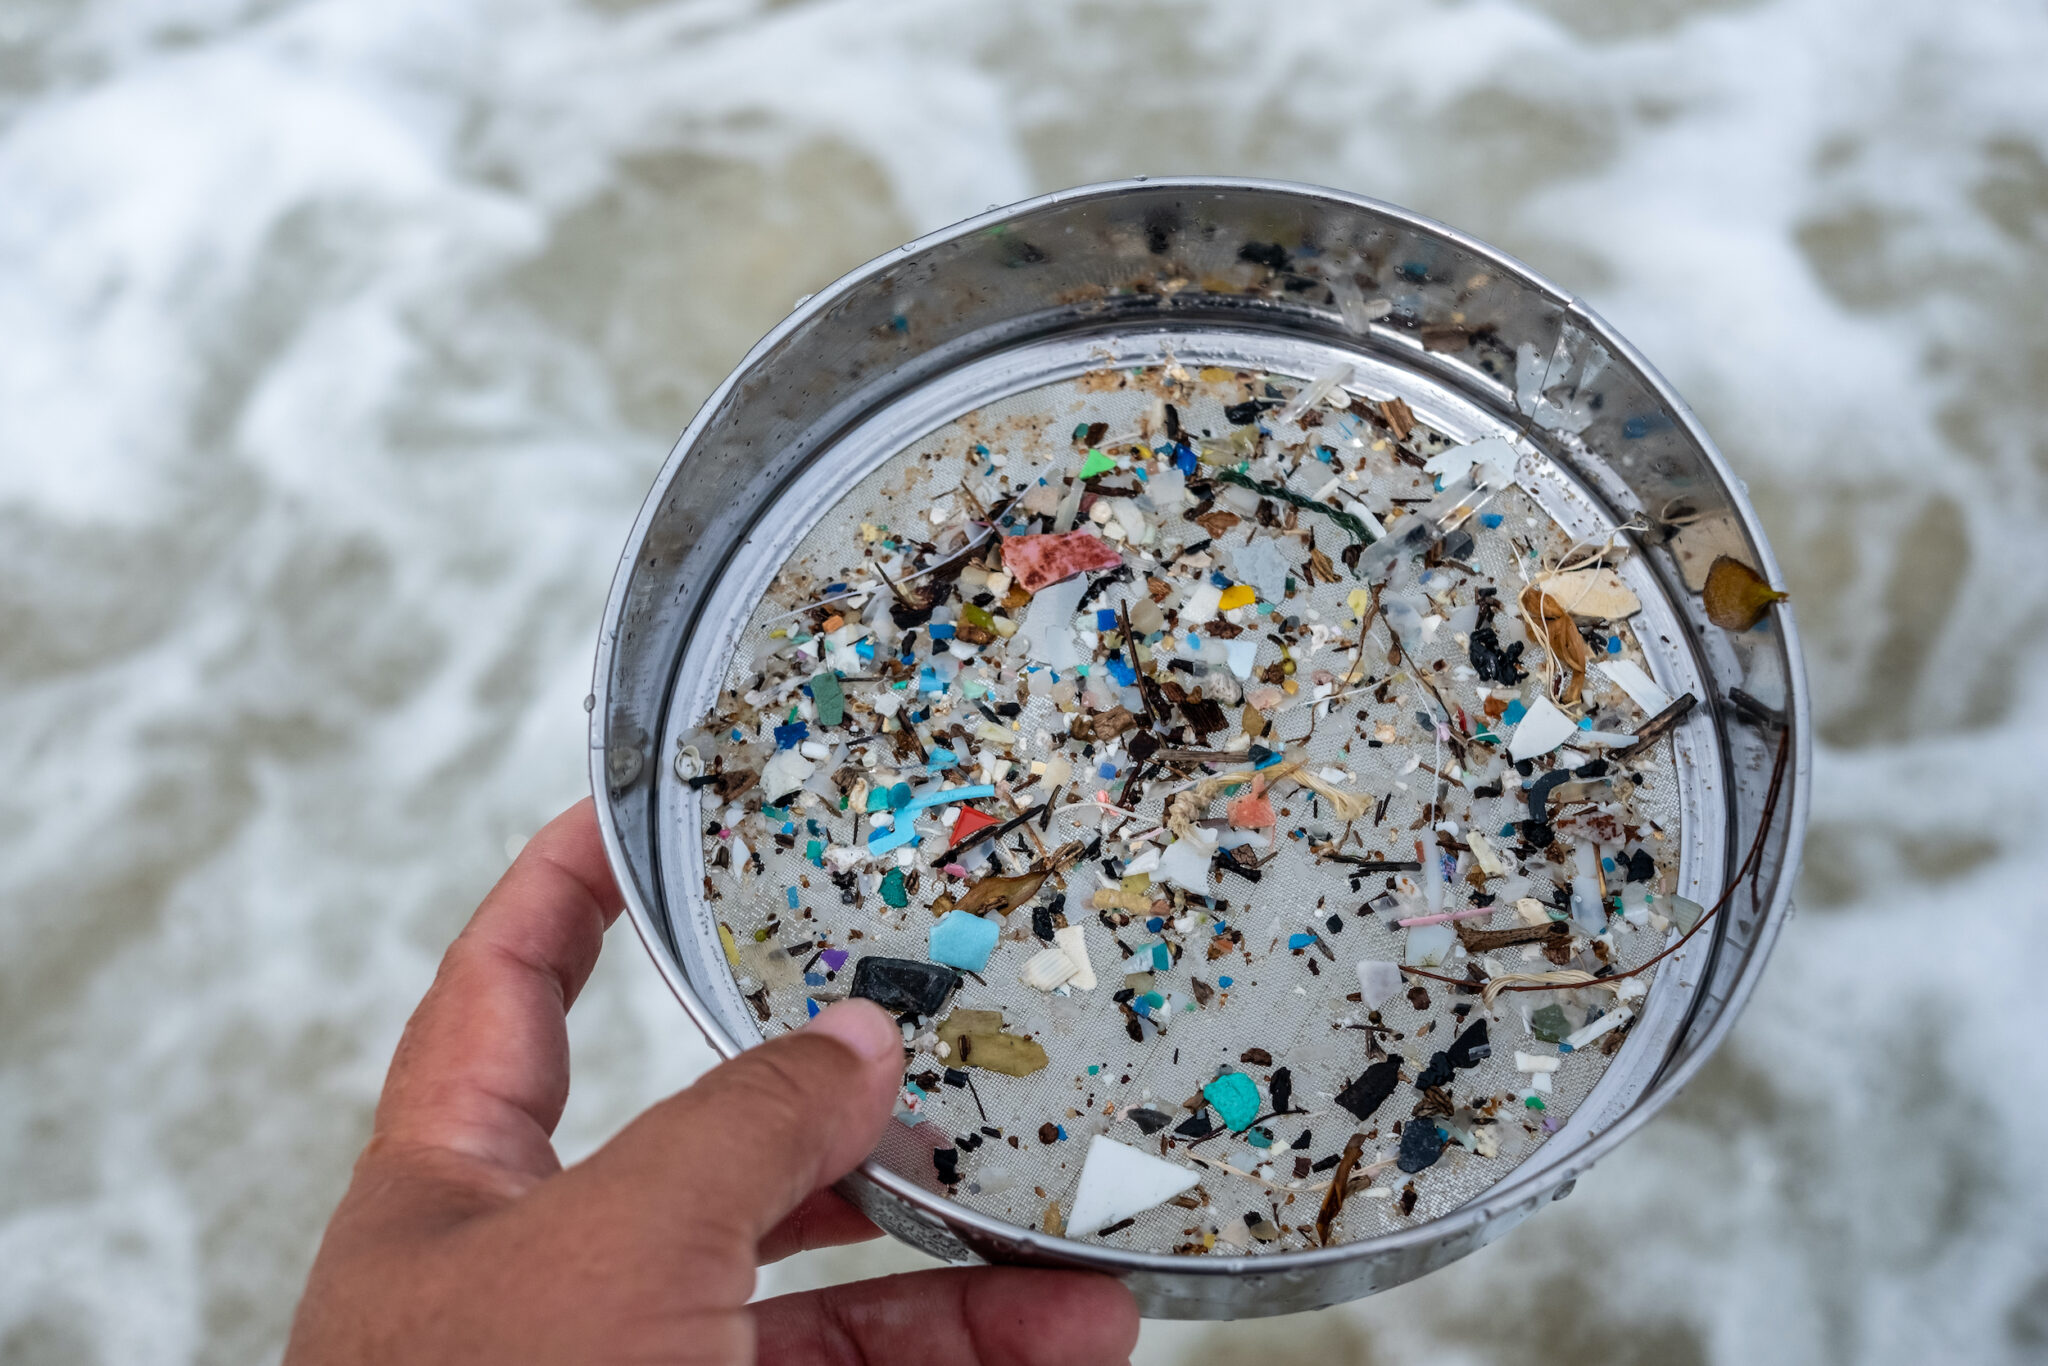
(1358, 602)
(1237, 595)
(732, 952)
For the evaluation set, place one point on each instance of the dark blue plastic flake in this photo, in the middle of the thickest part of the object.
(1421, 1146)
(791, 735)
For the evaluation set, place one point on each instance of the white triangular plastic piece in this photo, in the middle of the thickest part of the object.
(1642, 689)
(1119, 1181)
(1541, 731)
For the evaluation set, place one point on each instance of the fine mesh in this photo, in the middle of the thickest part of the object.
(1291, 1004)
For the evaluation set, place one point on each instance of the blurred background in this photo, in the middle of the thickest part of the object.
(340, 340)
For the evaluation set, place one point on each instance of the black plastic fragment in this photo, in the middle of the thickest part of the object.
(1641, 867)
(1197, 1125)
(1438, 1073)
(1041, 921)
(1493, 661)
(1373, 1086)
(1281, 1087)
(1245, 413)
(1421, 1146)
(1269, 254)
(947, 1163)
(1539, 794)
(1471, 1047)
(1303, 1141)
(1148, 1121)
(904, 985)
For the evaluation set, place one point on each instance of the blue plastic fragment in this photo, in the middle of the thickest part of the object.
(810, 1007)
(1225, 982)
(1614, 645)
(964, 940)
(940, 630)
(1154, 924)
(1490, 519)
(940, 758)
(1300, 941)
(1107, 771)
(1162, 958)
(791, 735)
(882, 841)
(1515, 712)
(814, 979)
(789, 894)
(1184, 460)
(1219, 578)
(1122, 672)
(1105, 618)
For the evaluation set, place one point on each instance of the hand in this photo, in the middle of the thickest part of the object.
(462, 1239)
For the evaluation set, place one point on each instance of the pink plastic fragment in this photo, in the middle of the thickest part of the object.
(1251, 810)
(1442, 917)
(1038, 562)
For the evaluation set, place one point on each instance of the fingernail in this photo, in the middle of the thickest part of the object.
(862, 1026)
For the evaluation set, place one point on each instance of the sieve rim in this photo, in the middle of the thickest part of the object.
(1528, 1183)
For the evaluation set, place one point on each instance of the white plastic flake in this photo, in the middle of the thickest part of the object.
(1118, 1182)
(1541, 731)
(1377, 981)
(1642, 689)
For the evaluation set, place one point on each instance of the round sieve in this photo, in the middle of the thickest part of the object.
(1000, 315)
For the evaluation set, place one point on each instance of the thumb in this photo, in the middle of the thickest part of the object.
(717, 1165)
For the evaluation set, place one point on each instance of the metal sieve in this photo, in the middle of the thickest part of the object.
(995, 312)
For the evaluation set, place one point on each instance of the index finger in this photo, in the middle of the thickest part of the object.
(483, 1066)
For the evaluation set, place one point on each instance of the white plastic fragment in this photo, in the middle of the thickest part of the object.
(1046, 970)
(785, 772)
(1429, 945)
(1377, 981)
(1184, 864)
(1587, 1033)
(1073, 942)
(1261, 565)
(1631, 678)
(1543, 729)
(1483, 853)
(1534, 1062)
(1314, 392)
(1495, 457)
(1118, 1182)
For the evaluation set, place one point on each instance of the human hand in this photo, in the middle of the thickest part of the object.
(461, 1237)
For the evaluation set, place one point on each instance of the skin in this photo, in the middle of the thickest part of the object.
(463, 1239)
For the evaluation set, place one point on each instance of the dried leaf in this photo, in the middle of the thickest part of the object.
(1002, 893)
(1567, 646)
(1737, 596)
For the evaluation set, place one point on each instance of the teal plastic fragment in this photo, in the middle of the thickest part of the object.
(831, 700)
(1236, 1098)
